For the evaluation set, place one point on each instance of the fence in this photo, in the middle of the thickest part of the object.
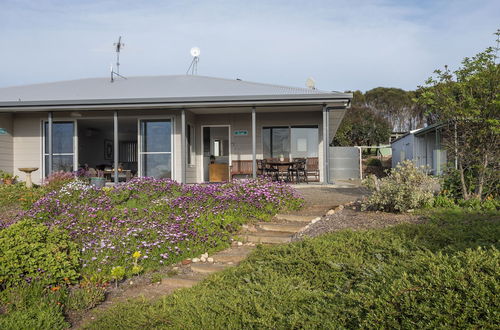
(345, 163)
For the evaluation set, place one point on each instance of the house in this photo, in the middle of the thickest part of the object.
(423, 146)
(164, 126)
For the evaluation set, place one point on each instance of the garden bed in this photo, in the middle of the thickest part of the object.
(90, 236)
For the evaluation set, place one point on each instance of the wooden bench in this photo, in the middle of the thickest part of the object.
(241, 167)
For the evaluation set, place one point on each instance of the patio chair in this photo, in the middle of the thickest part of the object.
(298, 170)
(270, 170)
(312, 168)
(282, 170)
(261, 166)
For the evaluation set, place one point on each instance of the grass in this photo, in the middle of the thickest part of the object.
(441, 274)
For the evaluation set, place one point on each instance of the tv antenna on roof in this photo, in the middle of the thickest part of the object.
(118, 47)
(195, 52)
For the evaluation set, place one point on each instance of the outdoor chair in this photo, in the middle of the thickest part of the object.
(270, 170)
(312, 168)
(298, 170)
(261, 167)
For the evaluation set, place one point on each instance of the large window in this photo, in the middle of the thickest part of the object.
(156, 148)
(290, 142)
(62, 147)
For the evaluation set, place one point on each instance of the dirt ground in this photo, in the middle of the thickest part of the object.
(353, 218)
(320, 199)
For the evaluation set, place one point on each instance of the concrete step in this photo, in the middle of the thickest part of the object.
(207, 268)
(295, 218)
(234, 255)
(285, 227)
(269, 237)
(179, 282)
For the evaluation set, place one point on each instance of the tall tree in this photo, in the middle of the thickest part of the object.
(397, 106)
(362, 126)
(467, 101)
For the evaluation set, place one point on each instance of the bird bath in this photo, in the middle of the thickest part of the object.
(28, 171)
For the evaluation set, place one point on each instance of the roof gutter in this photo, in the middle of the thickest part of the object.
(341, 102)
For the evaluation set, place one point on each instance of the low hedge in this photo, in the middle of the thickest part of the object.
(31, 251)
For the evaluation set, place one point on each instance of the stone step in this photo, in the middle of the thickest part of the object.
(295, 218)
(233, 255)
(207, 268)
(286, 227)
(269, 237)
(179, 282)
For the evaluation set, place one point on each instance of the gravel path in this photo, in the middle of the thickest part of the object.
(352, 218)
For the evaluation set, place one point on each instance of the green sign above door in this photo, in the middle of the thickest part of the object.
(240, 133)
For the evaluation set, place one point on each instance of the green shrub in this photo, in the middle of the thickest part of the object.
(33, 306)
(452, 185)
(374, 162)
(30, 251)
(477, 205)
(406, 187)
(444, 202)
(85, 297)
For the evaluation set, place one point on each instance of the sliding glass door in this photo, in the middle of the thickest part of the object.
(290, 142)
(155, 148)
(63, 147)
(276, 141)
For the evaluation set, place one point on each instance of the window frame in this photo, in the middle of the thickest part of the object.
(289, 138)
(44, 139)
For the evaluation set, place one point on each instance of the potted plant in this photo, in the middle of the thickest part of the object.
(8, 178)
(99, 181)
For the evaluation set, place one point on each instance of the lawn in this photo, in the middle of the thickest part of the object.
(77, 236)
(444, 273)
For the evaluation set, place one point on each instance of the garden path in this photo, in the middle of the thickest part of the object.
(282, 229)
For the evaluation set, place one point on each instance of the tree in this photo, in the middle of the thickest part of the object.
(397, 106)
(362, 126)
(467, 102)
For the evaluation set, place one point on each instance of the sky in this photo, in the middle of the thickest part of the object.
(342, 45)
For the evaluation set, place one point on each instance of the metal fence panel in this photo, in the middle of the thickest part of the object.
(344, 163)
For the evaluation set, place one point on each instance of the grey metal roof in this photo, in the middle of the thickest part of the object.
(175, 88)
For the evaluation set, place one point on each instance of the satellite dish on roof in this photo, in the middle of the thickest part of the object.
(310, 83)
(195, 52)
(193, 67)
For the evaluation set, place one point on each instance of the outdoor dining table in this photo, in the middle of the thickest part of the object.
(276, 164)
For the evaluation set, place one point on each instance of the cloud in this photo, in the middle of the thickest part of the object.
(344, 45)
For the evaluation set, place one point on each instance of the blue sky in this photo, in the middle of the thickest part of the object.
(343, 45)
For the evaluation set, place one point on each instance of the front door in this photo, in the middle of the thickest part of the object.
(216, 153)
(155, 148)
